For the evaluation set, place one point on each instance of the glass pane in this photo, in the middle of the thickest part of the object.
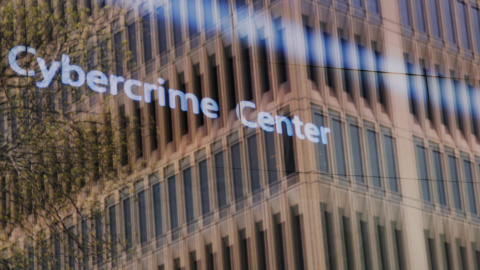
(423, 173)
(157, 209)
(187, 185)
(172, 200)
(221, 185)
(204, 191)
(374, 159)
(356, 153)
(439, 178)
(322, 154)
(341, 169)
(455, 181)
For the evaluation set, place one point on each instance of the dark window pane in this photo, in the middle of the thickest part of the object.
(127, 223)
(374, 159)
(405, 12)
(188, 188)
(455, 181)
(419, 10)
(434, 18)
(341, 169)
(475, 17)
(176, 22)
(463, 24)
(204, 190)
(142, 217)
(448, 20)
(192, 17)
(172, 201)
(220, 177)
(157, 209)
(439, 178)
(373, 6)
(118, 47)
(254, 163)
(423, 173)
(322, 154)
(237, 171)
(132, 45)
(356, 150)
(472, 199)
(147, 38)
(112, 219)
(269, 139)
(161, 29)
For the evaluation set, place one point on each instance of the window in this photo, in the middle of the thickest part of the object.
(434, 18)
(439, 178)
(475, 17)
(204, 189)
(254, 168)
(183, 114)
(192, 17)
(310, 49)
(230, 77)
(346, 68)
(226, 253)
(224, 7)
(329, 58)
(167, 114)
(339, 148)
(263, 61)
(172, 202)
(237, 171)
(373, 158)
(127, 224)
(419, 10)
(288, 151)
(399, 248)
(261, 248)
(71, 247)
(426, 91)
(220, 177)
(473, 108)
(208, 13)
(118, 47)
(463, 24)
(367, 260)
(188, 189)
(455, 182)
(322, 154)
(157, 209)
(280, 52)
(358, 3)
(138, 130)
(57, 251)
(98, 235)
(348, 242)
(142, 217)
(161, 29)
(356, 153)
(176, 22)
(373, 7)
(412, 97)
(423, 173)
(379, 75)
(123, 135)
(147, 39)
(443, 96)
(243, 248)
(210, 259)
(431, 252)
(297, 238)
(383, 246)
(447, 249)
(279, 241)
(213, 73)
(132, 45)
(247, 71)
(112, 219)
(405, 12)
(152, 112)
(449, 22)
(269, 142)
(472, 199)
(329, 240)
(362, 60)
(197, 89)
(457, 101)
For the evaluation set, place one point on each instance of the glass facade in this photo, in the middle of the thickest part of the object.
(247, 134)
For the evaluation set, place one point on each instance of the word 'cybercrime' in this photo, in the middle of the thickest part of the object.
(98, 82)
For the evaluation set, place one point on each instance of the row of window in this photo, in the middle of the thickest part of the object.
(360, 153)
(374, 243)
(455, 21)
(431, 89)
(450, 254)
(448, 180)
